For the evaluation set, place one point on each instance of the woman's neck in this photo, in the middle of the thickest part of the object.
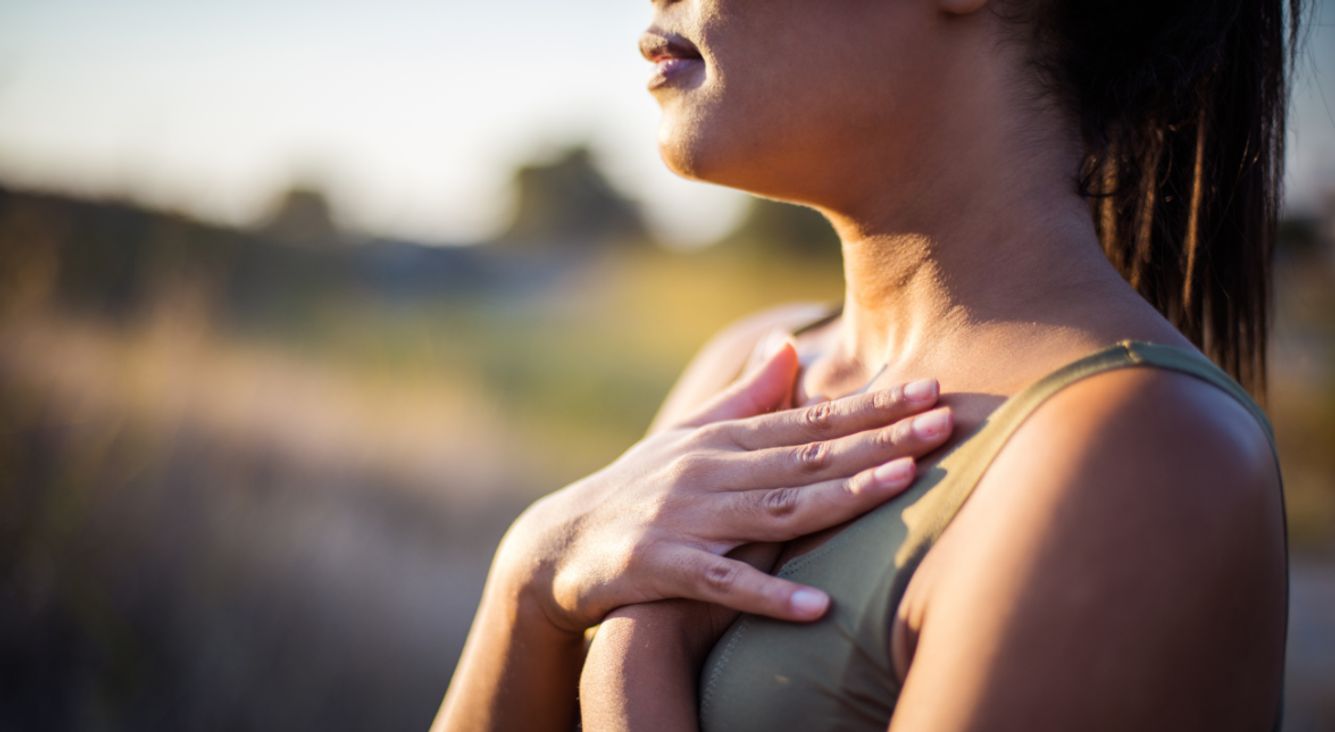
(997, 257)
(963, 231)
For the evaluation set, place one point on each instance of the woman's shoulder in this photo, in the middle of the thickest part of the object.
(1157, 434)
(1153, 456)
(728, 352)
(1130, 528)
(747, 331)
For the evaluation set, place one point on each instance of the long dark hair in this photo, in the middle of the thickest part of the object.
(1182, 107)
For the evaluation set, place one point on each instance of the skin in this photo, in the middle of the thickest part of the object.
(1118, 595)
(737, 469)
(1128, 540)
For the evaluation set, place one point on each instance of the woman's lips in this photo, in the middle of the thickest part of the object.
(673, 56)
(669, 69)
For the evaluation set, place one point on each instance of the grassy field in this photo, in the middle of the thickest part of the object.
(280, 517)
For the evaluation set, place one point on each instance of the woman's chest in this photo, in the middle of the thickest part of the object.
(969, 414)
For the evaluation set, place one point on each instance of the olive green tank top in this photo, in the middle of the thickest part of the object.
(837, 673)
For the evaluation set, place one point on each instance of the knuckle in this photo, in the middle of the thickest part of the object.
(711, 433)
(740, 436)
(632, 555)
(662, 510)
(817, 419)
(903, 432)
(691, 467)
(720, 576)
(884, 401)
(887, 438)
(725, 435)
(812, 456)
(780, 502)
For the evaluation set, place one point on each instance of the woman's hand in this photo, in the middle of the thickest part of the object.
(656, 523)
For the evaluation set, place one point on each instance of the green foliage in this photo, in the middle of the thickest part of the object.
(568, 203)
(786, 231)
(303, 215)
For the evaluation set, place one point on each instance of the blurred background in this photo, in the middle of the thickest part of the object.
(301, 302)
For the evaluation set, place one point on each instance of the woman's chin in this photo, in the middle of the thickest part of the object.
(681, 152)
(694, 163)
(729, 156)
(698, 152)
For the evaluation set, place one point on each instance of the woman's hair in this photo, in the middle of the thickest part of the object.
(1182, 107)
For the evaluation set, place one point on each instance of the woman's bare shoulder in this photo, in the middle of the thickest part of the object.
(1157, 437)
(1126, 543)
(726, 354)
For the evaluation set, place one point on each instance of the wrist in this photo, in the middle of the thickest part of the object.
(523, 572)
(682, 629)
(513, 600)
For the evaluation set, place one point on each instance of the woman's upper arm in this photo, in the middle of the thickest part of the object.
(1120, 566)
(720, 361)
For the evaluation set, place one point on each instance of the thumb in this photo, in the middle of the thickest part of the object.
(765, 388)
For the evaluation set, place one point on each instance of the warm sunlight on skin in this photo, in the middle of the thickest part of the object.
(732, 120)
(1105, 550)
(690, 365)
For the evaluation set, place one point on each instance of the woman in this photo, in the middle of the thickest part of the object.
(1119, 562)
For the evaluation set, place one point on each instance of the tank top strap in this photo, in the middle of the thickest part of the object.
(928, 519)
(838, 672)
(1186, 361)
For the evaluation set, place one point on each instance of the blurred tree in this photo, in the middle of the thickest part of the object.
(302, 215)
(1327, 232)
(1299, 236)
(569, 203)
(786, 230)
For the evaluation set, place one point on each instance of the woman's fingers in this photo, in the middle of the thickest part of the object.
(780, 514)
(836, 458)
(829, 419)
(764, 389)
(700, 575)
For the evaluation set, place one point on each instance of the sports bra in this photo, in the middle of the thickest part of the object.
(837, 673)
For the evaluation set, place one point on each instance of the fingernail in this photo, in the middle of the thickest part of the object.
(894, 472)
(922, 390)
(933, 424)
(809, 603)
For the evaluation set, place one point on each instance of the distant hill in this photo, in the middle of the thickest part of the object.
(112, 258)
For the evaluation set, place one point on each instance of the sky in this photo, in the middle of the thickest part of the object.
(412, 115)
